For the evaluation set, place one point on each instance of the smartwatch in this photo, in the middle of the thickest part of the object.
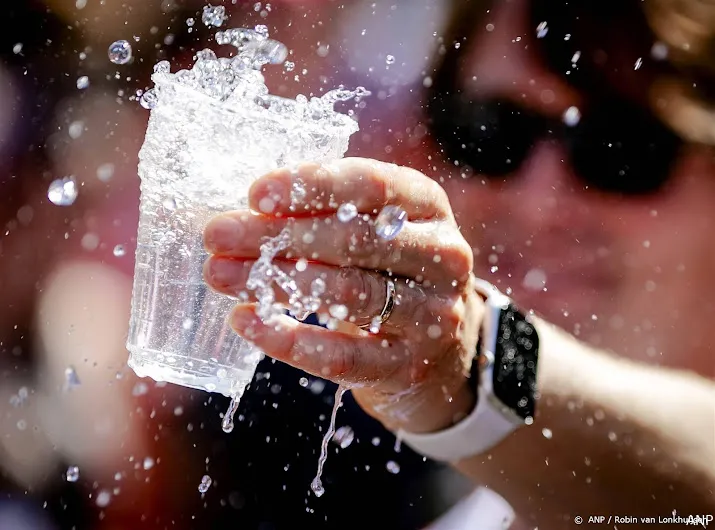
(504, 381)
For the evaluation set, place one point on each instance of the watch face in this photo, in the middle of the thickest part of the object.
(515, 359)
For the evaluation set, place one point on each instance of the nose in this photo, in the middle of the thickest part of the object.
(544, 192)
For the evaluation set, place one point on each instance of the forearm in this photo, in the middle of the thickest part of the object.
(621, 438)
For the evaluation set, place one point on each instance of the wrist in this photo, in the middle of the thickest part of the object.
(421, 409)
(444, 410)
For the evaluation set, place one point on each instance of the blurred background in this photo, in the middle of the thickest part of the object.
(84, 443)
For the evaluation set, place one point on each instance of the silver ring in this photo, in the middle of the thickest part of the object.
(388, 307)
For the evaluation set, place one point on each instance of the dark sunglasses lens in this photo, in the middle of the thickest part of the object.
(493, 137)
(623, 150)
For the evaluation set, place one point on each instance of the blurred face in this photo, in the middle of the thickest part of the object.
(628, 268)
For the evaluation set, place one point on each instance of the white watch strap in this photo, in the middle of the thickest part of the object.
(490, 421)
(484, 428)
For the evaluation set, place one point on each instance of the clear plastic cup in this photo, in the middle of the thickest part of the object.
(199, 157)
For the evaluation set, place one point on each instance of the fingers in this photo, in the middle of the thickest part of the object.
(362, 293)
(433, 251)
(368, 184)
(328, 354)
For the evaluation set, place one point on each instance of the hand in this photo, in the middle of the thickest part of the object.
(412, 374)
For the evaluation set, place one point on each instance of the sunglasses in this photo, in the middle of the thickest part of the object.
(613, 147)
(613, 144)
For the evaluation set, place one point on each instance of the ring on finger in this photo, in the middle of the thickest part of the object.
(386, 309)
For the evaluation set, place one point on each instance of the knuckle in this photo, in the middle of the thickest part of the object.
(358, 244)
(416, 304)
(351, 285)
(458, 259)
(438, 198)
(382, 179)
(442, 199)
(321, 187)
(344, 363)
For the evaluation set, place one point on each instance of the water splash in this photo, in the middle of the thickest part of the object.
(238, 79)
(237, 83)
(390, 222)
(227, 424)
(317, 484)
(344, 436)
(63, 192)
(71, 379)
(72, 474)
(205, 484)
(213, 15)
(120, 52)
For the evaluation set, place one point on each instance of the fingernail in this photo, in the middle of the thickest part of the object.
(223, 233)
(270, 194)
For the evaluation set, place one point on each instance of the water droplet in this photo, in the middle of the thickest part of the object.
(148, 463)
(104, 497)
(119, 251)
(303, 381)
(71, 379)
(338, 311)
(120, 52)
(547, 433)
(63, 192)
(76, 129)
(393, 467)
(390, 59)
(317, 287)
(390, 222)
(17, 49)
(21, 425)
(375, 325)
(301, 265)
(434, 331)
(190, 21)
(213, 15)
(344, 436)
(347, 212)
(90, 241)
(82, 82)
(140, 389)
(541, 30)
(227, 424)
(639, 63)
(72, 474)
(105, 172)
(317, 485)
(289, 66)
(205, 484)
(659, 51)
(375, 441)
(149, 99)
(572, 116)
(612, 436)
(535, 280)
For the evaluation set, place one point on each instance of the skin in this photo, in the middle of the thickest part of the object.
(631, 433)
